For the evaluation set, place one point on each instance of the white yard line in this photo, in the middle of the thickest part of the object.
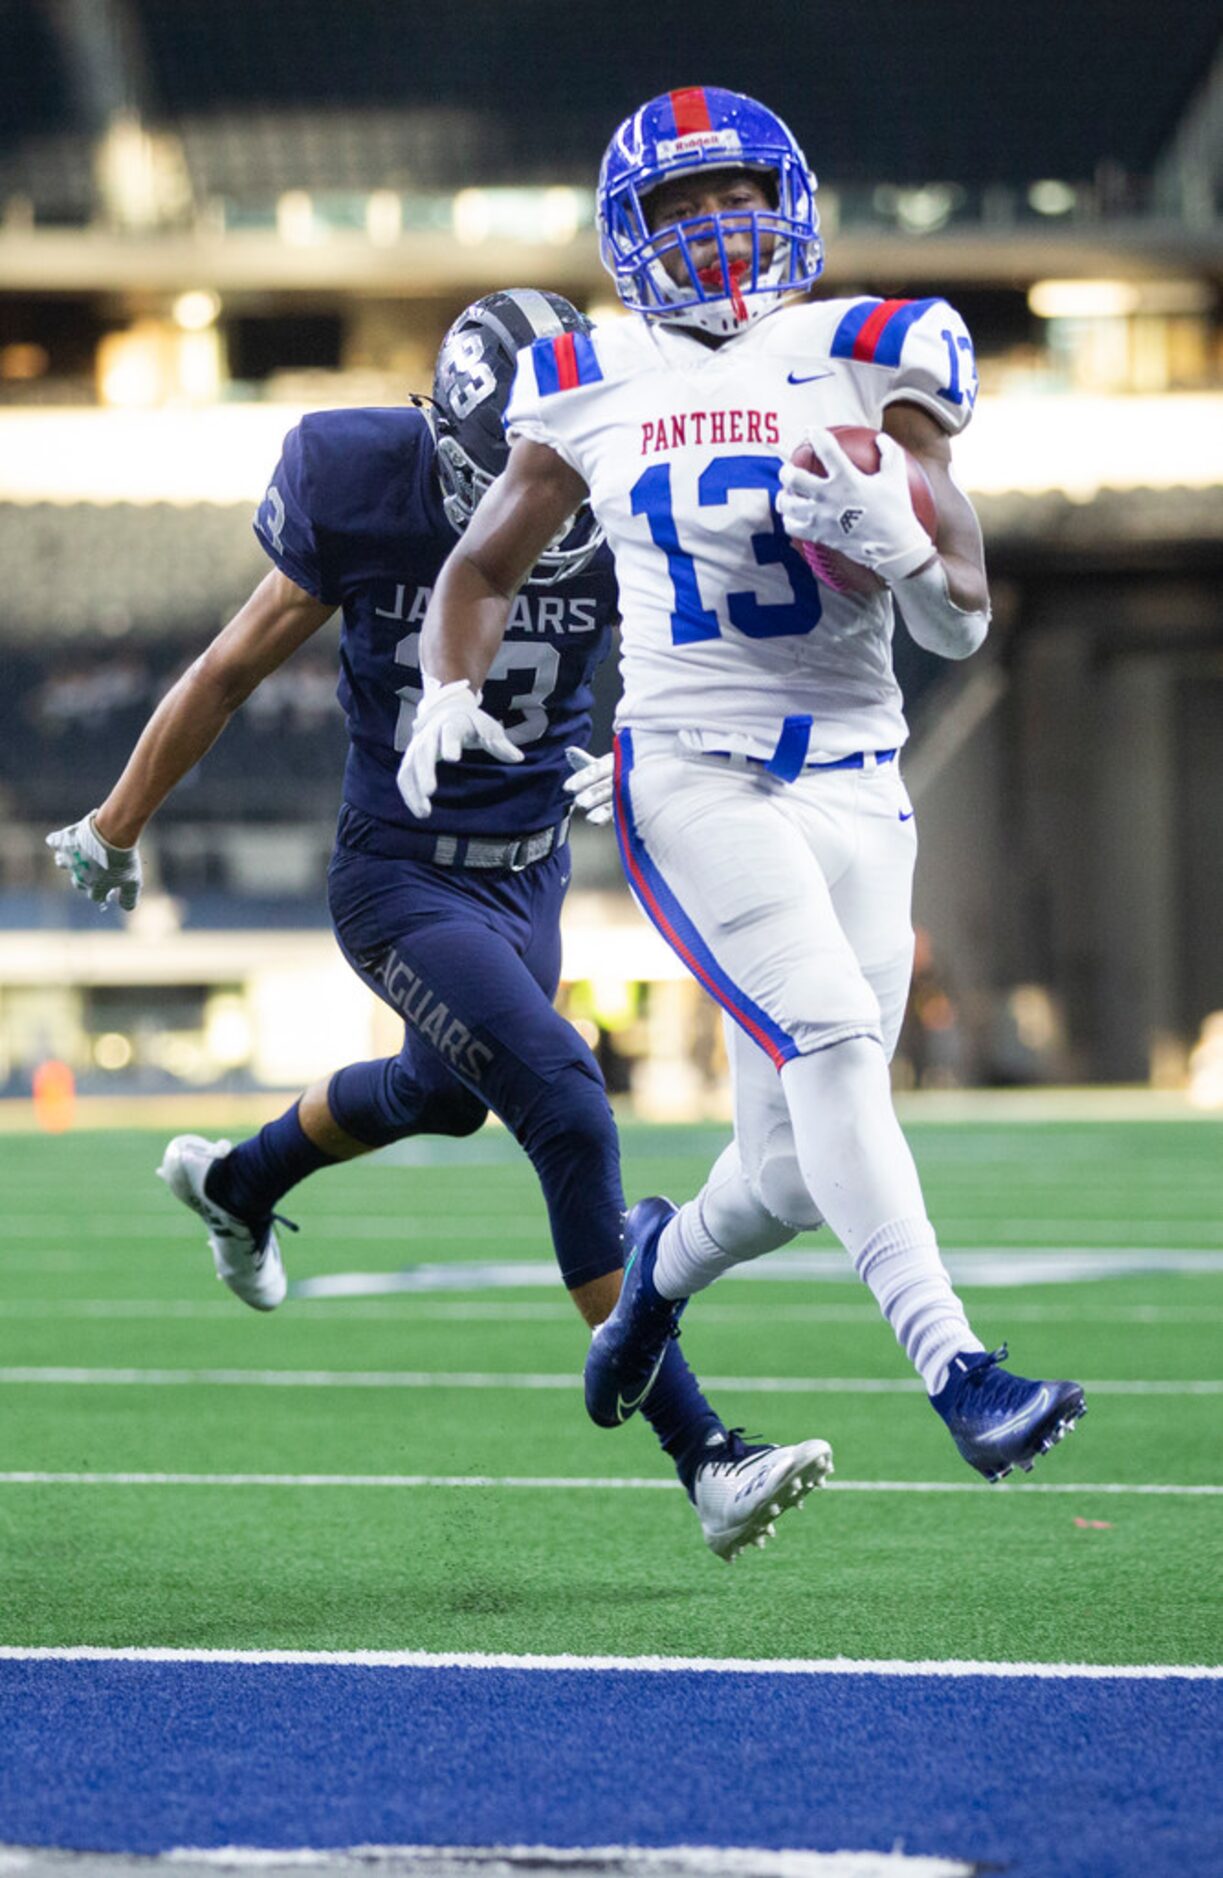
(578, 1483)
(491, 1861)
(502, 1861)
(422, 1309)
(647, 1665)
(517, 1381)
(495, 1228)
(986, 1266)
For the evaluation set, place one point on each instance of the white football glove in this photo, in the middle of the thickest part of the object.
(448, 721)
(108, 875)
(592, 784)
(869, 517)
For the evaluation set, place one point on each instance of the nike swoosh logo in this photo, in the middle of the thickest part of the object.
(904, 817)
(807, 378)
(1016, 1421)
(625, 1409)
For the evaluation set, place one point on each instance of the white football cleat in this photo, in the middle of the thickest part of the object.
(741, 1490)
(246, 1255)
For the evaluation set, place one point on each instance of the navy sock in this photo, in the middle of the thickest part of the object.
(680, 1416)
(253, 1176)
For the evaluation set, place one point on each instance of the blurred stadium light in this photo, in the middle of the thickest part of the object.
(213, 218)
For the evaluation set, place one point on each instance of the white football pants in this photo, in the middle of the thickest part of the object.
(790, 903)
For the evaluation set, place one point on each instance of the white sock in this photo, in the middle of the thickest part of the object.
(861, 1176)
(854, 1159)
(901, 1264)
(724, 1225)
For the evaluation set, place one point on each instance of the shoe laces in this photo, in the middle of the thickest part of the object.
(736, 1453)
(977, 1367)
(1005, 1390)
(258, 1229)
(274, 1219)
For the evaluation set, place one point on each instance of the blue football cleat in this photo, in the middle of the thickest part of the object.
(626, 1351)
(999, 1421)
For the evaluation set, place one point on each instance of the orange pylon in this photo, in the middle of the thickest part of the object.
(54, 1096)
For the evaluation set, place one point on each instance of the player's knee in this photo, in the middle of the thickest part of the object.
(456, 1112)
(779, 1187)
(770, 1172)
(438, 1105)
(380, 1102)
(851, 1061)
(572, 1110)
(360, 1099)
(827, 1001)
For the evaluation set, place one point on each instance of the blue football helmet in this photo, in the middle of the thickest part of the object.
(471, 389)
(702, 127)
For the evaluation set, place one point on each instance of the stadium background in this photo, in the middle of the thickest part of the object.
(360, 1573)
(214, 217)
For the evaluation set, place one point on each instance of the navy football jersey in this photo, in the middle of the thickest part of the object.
(354, 515)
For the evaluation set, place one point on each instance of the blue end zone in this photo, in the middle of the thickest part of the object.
(1075, 1778)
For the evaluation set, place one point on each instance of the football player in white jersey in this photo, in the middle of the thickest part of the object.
(762, 819)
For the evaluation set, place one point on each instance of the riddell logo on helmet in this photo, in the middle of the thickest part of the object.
(697, 140)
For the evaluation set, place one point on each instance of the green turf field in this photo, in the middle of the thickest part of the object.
(103, 1272)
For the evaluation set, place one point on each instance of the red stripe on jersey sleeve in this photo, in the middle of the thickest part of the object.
(872, 331)
(566, 362)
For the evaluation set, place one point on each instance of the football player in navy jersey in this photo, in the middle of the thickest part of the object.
(455, 925)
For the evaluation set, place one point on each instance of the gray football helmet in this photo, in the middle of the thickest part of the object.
(471, 388)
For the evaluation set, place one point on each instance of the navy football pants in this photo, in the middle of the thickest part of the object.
(471, 962)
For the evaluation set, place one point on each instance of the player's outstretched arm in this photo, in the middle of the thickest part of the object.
(526, 508)
(99, 851)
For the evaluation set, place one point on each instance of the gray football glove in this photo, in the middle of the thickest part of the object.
(592, 784)
(108, 875)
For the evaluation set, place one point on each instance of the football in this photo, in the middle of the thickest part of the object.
(835, 569)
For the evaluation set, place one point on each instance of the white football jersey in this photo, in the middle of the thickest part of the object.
(725, 630)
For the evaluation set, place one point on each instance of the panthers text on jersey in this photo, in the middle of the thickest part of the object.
(353, 514)
(725, 630)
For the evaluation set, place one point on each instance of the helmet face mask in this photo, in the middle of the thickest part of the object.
(692, 133)
(475, 370)
(464, 483)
